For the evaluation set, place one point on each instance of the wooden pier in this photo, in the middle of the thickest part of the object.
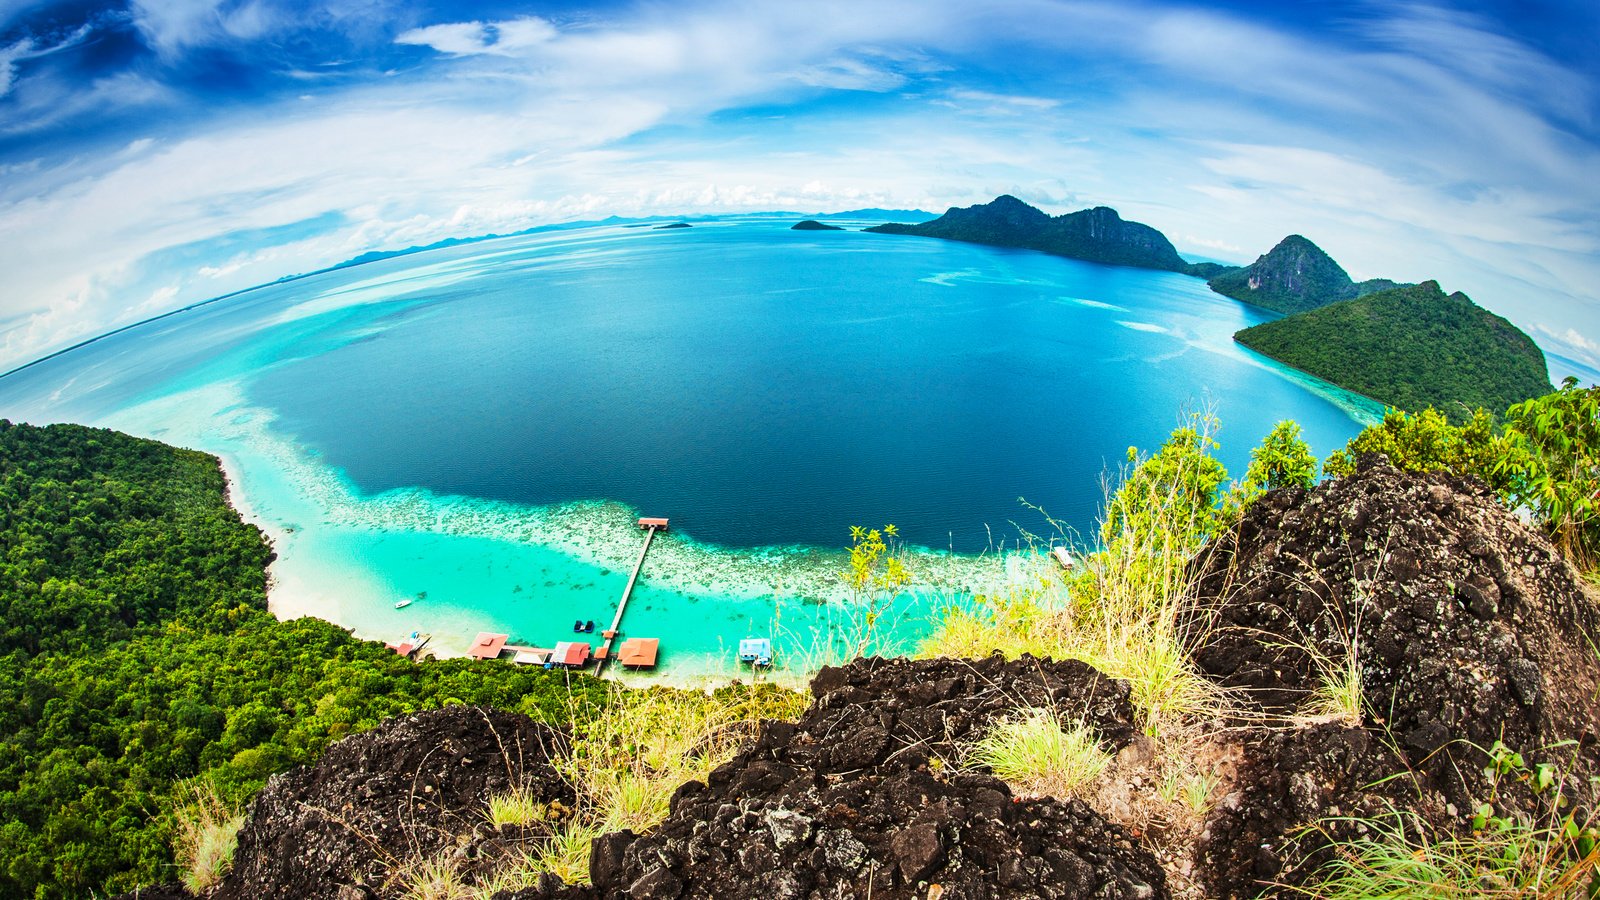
(603, 655)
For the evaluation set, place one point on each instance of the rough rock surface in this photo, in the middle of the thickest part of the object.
(852, 801)
(1469, 629)
(411, 787)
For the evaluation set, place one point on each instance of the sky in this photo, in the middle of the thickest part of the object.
(156, 153)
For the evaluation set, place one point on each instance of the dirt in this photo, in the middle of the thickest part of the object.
(412, 788)
(1469, 629)
(863, 797)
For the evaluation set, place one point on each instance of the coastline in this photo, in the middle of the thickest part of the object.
(489, 566)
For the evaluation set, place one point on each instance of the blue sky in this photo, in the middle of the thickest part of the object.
(158, 152)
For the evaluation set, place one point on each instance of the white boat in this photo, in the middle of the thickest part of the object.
(404, 603)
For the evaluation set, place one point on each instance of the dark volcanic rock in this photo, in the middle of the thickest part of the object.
(411, 787)
(850, 802)
(1469, 629)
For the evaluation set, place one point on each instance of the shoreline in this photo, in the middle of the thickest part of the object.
(810, 572)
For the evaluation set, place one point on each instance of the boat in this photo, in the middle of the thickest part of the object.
(756, 651)
(404, 603)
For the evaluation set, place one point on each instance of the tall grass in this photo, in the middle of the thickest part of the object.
(207, 835)
(1122, 608)
(1511, 861)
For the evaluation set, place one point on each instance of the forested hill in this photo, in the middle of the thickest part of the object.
(1096, 235)
(1410, 347)
(137, 659)
(1294, 276)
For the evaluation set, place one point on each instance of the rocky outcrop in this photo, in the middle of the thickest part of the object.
(813, 225)
(853, 801)
(1097, 235)
(1468, 629)
(409, 789)
(1295, 275)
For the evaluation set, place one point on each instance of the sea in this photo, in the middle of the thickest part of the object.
(477, 428)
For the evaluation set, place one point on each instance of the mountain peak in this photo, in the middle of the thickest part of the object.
(1294, 276)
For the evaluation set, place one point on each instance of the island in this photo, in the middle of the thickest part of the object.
(1292, 277)
(673, 225)
(1410, 347)
(813, 225)
(1094, 235)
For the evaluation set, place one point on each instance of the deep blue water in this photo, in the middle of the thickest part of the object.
(757, 385)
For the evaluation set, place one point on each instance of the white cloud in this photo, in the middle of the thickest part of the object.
(1378, 153)
(506, 38)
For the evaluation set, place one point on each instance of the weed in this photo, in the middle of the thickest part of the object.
(1034, 752)
(208, 833)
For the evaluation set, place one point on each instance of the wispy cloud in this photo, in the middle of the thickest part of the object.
(1411, 141)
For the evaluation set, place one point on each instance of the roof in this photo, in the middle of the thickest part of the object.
(570, 653)
(404, 648)
(536, 656)
(488, 646)
(640, 652)
(755, 647)
(647, 522)
(1062, 555)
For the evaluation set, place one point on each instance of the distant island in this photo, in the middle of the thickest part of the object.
(1292, 277)
(813, 225)
(1094, 235)
(1410, 347)
(673, 225)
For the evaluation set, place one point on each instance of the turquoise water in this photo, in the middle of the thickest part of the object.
(478, 427)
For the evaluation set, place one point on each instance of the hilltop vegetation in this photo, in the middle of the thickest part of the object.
(1410, 348)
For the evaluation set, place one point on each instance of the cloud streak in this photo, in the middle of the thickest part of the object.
(1369, 133)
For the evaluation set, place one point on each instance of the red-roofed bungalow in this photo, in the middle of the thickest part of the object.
(658, 524)
(488, 646)
(639, 653)
(570, 653)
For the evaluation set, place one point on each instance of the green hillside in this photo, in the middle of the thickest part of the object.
(137, 653)
(1411, 348)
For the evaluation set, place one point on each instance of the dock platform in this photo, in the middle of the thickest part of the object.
(604, 654)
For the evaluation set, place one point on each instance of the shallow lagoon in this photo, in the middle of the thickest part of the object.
(479, 426)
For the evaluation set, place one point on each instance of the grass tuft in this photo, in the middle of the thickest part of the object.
(517, 806)
(208, 834)
(1033, 752)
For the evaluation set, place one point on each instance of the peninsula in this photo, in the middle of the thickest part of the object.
(1410, 347)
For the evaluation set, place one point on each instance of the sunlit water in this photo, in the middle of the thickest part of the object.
(476, 428)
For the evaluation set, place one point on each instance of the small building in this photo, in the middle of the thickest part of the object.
(1063, 556)
(658, 524)
(570, 653)
(639, 653)
(531, 656)
(488, 646)
(756, 651)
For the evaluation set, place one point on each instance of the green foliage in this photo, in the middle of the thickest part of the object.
(1427, 442)
(1410, 348)
(1545, 457)
(1283, 459)
(1551, 464)
(1171, 493)
(877, 574)
(138, 656)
